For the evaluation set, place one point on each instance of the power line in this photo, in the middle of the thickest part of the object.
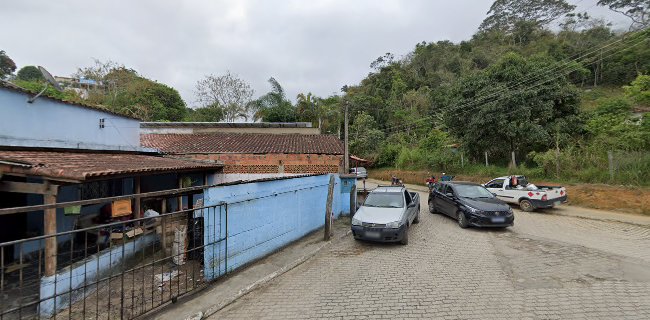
(414, 126)
(537, 76)
(559, 70)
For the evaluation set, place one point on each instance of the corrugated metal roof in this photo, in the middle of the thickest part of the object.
(250, 143)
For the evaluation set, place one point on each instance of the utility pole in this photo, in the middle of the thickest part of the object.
(346, 163)
(328, 209)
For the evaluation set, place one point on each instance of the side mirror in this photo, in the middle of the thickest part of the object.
(494, 194)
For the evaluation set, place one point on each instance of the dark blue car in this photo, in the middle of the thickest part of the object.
(470, 204)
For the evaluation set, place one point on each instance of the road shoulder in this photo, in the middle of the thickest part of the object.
(224, 291)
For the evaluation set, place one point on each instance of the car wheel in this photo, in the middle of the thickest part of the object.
(526, 205)
(462, 220)
(432, 207)
(405, 237)
(416, 220)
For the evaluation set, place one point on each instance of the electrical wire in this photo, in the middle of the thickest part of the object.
(568, 66)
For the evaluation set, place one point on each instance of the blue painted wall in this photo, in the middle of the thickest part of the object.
(48, 123)
(262, 218)
(346, 188)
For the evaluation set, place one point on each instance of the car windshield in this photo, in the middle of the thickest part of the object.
(385, 200)
(361, 169)
(472, 191)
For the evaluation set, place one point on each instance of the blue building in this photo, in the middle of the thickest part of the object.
(54, 151)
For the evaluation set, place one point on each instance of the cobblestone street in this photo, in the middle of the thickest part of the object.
(545, 267)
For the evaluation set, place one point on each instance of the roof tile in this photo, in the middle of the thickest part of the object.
(83, 166)
(252, 143)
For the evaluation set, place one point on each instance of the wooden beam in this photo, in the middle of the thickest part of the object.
(26, 187)
(50, 229)
(179, 199)
(136, 206)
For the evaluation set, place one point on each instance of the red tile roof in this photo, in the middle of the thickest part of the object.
(86, 166)
(252, 143)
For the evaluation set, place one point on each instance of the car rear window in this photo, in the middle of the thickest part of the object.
(385, 200)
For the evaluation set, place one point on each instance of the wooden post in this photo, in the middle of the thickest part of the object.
(610, 159)
(353, 200)
(179, 199)
(163, 210)
(486, 160)
(49, 222)
(328, 209)
(136, 207)
(346, 161)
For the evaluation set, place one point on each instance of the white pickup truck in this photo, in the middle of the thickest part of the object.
(517, 190)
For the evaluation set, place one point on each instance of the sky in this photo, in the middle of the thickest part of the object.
(313, 46)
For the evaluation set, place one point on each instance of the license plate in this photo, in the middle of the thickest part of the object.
(557, 203)
(498, 219)
(373, 234)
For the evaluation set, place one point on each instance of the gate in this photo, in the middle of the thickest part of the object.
(118, 270)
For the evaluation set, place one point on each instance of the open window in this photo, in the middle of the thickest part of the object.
(495, 184)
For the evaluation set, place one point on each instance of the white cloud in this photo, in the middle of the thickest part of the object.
(316, 46)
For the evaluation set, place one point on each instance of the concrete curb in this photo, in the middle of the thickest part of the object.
(261, 282)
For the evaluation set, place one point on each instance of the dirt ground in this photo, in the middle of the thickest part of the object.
(142, 292)
(627, 199)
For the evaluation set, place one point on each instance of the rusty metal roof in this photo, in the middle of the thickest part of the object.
(250, 143)
(80, 166)
(13, 87)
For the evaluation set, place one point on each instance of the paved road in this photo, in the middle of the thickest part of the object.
(545, 267)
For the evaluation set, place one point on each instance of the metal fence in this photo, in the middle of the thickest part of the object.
(117, 270)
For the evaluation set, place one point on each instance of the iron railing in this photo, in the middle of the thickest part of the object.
(115, 270)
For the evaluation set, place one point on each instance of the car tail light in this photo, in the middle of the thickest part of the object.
(562, 192)
(544, 198)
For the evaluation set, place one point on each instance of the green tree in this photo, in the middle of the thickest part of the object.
(274, 106)
(211, 113)
(611, 127)
(495, 111)
(307, 108)
(507, 14)
(365, 138)
(122, 89)
(29, 73)
(639, 90)
(7, 66)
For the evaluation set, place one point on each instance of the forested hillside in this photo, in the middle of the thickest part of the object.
(552, 88)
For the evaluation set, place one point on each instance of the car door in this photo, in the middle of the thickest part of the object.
(496, 186)
(449, 199)
(410, 208)
(442, 200)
